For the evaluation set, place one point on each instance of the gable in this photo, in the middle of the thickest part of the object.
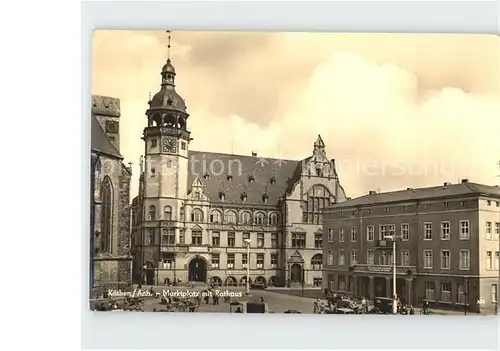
(99, 141)
(296, 258)
(197, 182)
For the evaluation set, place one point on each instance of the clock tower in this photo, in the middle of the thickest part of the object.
(166, 142)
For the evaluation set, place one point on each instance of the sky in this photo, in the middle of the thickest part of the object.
(394, 110)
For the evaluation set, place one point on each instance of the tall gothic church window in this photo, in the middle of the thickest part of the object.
(107, 214)
(318, 197)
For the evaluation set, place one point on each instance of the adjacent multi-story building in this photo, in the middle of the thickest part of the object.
(195, 209)
(110, 259)
(447, 245)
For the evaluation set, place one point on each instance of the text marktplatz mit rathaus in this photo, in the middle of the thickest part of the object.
(192, 293)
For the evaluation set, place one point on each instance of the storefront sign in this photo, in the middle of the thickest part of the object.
(236, 250)
(382, 269)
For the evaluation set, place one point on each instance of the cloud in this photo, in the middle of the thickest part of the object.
(394, 110)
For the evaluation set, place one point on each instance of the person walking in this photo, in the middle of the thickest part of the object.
(364, 305)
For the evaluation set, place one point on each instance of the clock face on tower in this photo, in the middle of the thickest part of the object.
(170, 145)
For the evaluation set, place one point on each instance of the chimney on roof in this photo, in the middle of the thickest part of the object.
(446, 183)
(254, 154)
(372, 192)
(465, 181)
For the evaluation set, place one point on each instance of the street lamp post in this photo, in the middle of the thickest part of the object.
(394, 275)
(247, 242)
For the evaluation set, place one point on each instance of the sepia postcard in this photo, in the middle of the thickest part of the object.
(321, 173)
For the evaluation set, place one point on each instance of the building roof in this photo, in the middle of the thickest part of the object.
(219, 166)
(105, 106)
(449, 190)
(99, 141)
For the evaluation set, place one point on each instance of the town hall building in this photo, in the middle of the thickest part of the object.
(196, 211)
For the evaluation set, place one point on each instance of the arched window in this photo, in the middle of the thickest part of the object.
(167, 212)
(106, 214)
(196, 215)
(318, 197)
(152, 213)
(230, 217)
(317, 262)
(245, 218)
(215, 216)
(259, 218)
(273, 219)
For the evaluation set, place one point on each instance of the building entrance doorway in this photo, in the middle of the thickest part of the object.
(197, 270)
(296, 273)
(149, 273)
(381, 287)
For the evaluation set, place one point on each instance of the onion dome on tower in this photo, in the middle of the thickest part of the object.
(167, 108)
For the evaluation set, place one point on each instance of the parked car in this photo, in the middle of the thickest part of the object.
(345, 311)
(248, 307)
(383, 304)
(260, 286)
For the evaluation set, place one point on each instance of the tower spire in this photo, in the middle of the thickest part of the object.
(169, 32)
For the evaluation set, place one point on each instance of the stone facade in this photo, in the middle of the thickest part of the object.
(110, 199)
(195, 209)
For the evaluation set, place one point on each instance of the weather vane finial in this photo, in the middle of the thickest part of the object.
(168, 46)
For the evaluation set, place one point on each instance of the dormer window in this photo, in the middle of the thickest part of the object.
(222, 196)
(206, 176)
(244, 197)
(265, 198)
(272, 180)
(251, 179)
(229, 178)
(169, 101)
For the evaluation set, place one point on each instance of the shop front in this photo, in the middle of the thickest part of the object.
(372, 281)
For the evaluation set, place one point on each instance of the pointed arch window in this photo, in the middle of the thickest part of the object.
(152, 213)
(167, 212)
(106, 214)
(318, 197)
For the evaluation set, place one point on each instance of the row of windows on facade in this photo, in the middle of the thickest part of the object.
(230, 217)
(386, 258)
(445, 292)
(316, 262)
(428, 205)
(390, 229)
(168, 238)
(318, 198)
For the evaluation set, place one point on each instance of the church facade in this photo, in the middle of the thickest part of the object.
(197, 211)
(110, 259)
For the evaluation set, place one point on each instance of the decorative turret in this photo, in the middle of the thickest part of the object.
(167, 108)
